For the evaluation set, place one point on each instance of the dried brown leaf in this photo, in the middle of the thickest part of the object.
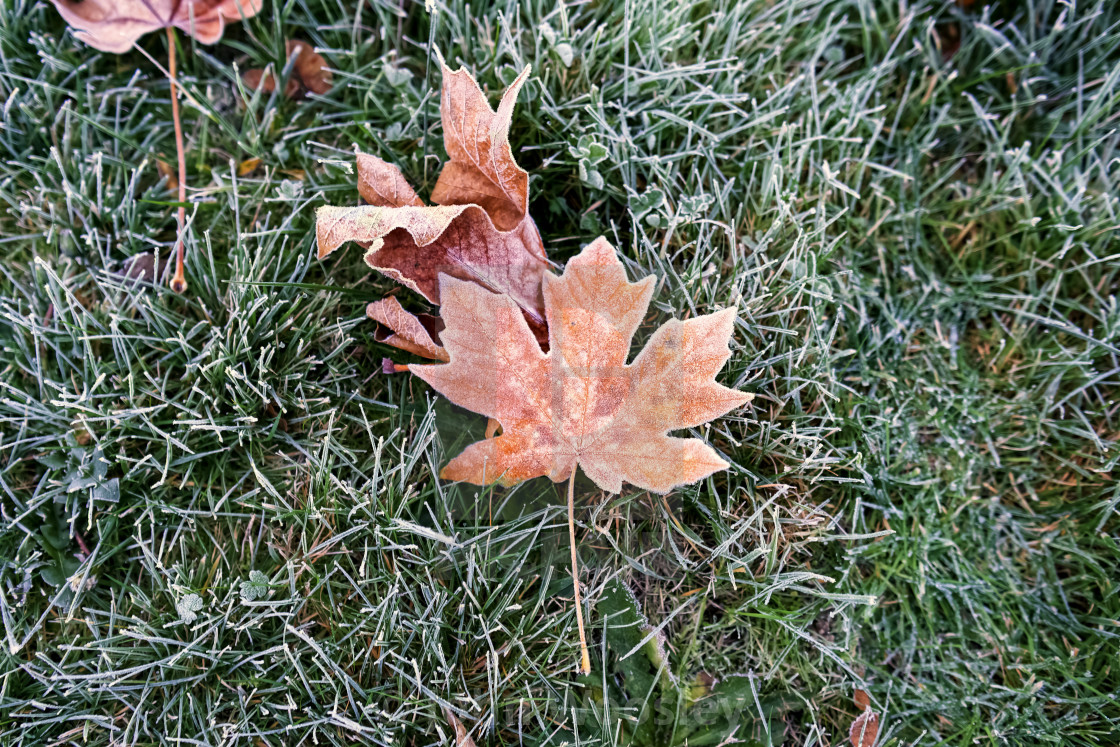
(865, 729)
(414, 245)
(462, 736)
(248, 166)
(257, 79)
(309, 73)
(115, 25)
(414, 333)
(167, 171)
(481, 169)
(862, 700)
(480, 229)
(581, 403)
(310, 67)
(143, 267)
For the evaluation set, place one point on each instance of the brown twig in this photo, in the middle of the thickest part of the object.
(179, 282)
(584, 656)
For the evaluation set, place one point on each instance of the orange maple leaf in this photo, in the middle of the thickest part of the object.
(115, 25)
(479, 230)
(582, 403)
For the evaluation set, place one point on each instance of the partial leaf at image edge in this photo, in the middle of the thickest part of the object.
(115, 25)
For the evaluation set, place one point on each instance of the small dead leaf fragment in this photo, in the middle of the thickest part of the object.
(167, 171)
(862, 700)
(581, 403)
(143, 267)
(310, 67)
(115, 25)
(462, 736)
(273, 413)
(416, 334)
(81, 435)
(948, 38)
(865, 729)
(248, 166)
(261, 80)
(309, 73)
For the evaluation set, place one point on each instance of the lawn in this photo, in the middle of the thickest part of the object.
(223, 524)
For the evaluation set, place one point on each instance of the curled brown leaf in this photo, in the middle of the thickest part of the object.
(479, 230)
(481, 169)
(415, 245)
(413, 333)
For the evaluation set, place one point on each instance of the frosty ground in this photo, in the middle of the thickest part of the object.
(222, 523)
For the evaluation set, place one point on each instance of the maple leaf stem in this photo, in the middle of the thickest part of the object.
(179, 281)
(585, 657)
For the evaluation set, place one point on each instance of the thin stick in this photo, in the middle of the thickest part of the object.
(179, 282)
(585, 657)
